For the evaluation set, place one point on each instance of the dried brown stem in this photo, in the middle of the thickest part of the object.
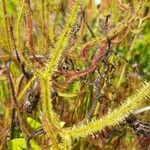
(30, 32)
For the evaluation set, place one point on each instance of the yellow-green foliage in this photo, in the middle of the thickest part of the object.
(62, 41)
(43, 74)
(47, 102)
(51, 66)
(114, 117)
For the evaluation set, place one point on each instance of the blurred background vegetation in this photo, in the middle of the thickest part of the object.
(90, 96)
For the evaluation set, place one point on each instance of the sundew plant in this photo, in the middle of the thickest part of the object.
(74, 74)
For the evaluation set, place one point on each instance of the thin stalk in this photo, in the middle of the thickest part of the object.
(114, 10)
(50, 133)
(46, 95)
(128, 56)
(47, 102)
(25, 130)
(7, 124)
(6, 23)
(43, 23)
(18, 23)
(30, 31)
